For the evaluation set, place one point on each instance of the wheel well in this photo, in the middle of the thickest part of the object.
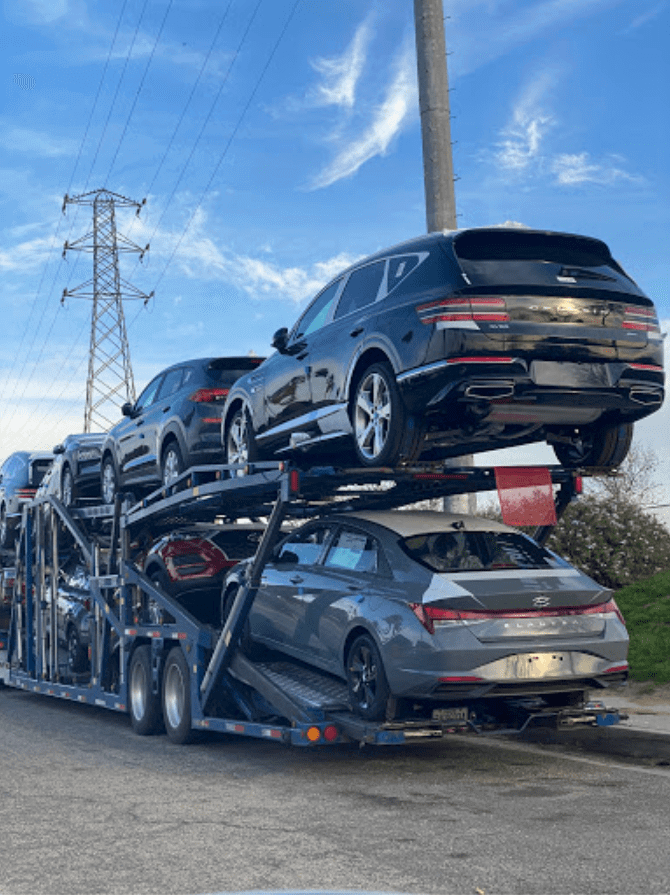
(369, 357)
(167, 441)
(351, 636)
(234, 407)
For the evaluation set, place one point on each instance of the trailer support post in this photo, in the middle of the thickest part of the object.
(28, 552)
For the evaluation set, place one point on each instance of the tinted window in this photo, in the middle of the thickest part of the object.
(37, 470)
(306, 545)
(361, 289)
(353, 550)
(317, 314)
(227, 369)
(469, 551)
(399, 268)
(171, 382)
(148, 396)
(519, 245)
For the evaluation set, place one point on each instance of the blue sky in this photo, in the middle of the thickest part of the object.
(277, 141)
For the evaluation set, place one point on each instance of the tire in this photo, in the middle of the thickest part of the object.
(158, 615)
(177, 698)
(172, 463)
(600, 446)
(109, 482)
(6, 538)
(368, 688)
(77, 654)
(378, 417)
(240, 440)
(144, 705)
(68, 491)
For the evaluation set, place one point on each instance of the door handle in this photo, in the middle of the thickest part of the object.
(356, 331)
(303, 355)
(296, 579)
(165, 409)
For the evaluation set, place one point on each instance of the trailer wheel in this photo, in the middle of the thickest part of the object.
(77, 653)
(177, 698)
(368, 688)
(145, 705)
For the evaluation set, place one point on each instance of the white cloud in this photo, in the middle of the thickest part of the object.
(645, 17)
(341, 73)
(26, 256)
(36, 11)
(30, 142)
(388, 120)
(522, 137)
(576, 168)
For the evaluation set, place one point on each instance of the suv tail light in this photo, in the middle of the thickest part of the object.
(641, 319)
(209, 395)
(26, 493)
(428, 615)
(463, 310)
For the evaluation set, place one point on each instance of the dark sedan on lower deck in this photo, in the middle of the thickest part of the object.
(436, 610)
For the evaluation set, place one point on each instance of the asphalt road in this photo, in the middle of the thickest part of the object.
(88, 807)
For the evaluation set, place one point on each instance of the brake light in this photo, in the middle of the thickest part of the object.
(655, 368)
(641, 319)
(479, 309)
(209, 395)
(428, 615)
(26, 493)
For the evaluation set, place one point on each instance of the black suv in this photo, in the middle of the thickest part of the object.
(456, 343)
(173, 425)
(20, 476)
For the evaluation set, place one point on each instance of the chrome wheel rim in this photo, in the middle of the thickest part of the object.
(108, 483)
(138, 685)
(175, 696)
(372, 417)
(66, 490)
(171, 467)
(237, 446)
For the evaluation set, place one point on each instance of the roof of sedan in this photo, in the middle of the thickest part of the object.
(414, 522)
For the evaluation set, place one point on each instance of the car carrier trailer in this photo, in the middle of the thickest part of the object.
(151, 658)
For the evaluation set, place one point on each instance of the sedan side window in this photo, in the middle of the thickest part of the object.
(362, 288)
(353, 550)
(306, 545)
(148, 396)
(318, 312)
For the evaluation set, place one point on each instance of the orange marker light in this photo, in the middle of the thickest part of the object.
(313, 734)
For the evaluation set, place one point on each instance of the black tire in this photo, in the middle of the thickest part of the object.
(109, 481)
(378, 417)
(172, 463)
(157, 615)
(368, 688)
(144, 704)
(77, 654)
(239, 444)
(599, 446)
(6, 533)
(177, 698)
(68, 490)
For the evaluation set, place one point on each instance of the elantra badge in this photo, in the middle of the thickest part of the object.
(541, 601)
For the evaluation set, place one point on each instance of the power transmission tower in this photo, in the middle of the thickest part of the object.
(438, 166)
(110, 376)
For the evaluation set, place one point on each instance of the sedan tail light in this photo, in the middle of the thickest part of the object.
(209, 395)
(459, 310)
(641, 319)
(428, 615)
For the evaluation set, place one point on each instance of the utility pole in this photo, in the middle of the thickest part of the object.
(438, 166)
(110, 382)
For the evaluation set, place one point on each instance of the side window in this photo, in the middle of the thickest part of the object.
(316, 315)
(148, 396)
(399, 268)
(361, 289)
(353, 550)
(171, 383)
(307, 546)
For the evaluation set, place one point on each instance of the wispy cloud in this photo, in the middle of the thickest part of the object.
(341, 73)
(645, 17)
(388, 119)
(520, 145)
(33, 12)
(576, 168)
(30, 142)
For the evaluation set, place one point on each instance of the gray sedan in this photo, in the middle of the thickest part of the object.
(434, 609)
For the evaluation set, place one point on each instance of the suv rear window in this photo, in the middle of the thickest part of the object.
(37, 471)
(478, 551)
(228, 369)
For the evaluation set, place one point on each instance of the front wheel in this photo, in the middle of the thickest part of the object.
(603, 446)
(378, 417)
(109, 482)
(368, 688)
(172, 465)
(145, 705)
(177, 698)
(67, 489)
(240, 441)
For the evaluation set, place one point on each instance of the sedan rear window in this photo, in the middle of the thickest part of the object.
(474, 551)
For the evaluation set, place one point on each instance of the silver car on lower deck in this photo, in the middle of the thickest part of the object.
(435, 609)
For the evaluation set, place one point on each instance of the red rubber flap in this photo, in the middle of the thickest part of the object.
(526, 495)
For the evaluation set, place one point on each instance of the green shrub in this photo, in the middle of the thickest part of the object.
(646, 609)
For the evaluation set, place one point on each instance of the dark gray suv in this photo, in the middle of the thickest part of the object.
(456, 343)
(20, 477)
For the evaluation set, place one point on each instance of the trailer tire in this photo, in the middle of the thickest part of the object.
(144, 704)
(77, 653)
(177, 698)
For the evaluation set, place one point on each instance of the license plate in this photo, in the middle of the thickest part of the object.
(569, 375)
(450, 715)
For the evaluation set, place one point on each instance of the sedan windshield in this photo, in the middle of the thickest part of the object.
(472, 551)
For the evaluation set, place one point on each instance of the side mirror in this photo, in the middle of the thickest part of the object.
(127, 409)
(59, 449)
(280, 340)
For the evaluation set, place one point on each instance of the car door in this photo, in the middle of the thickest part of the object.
(132, 444)
(286, 375)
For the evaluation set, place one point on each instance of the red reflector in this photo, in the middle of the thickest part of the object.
(211, 419)
(653, 367)
(579, 484)
(294, 481)
(614, 669)
(460, 679)
(207, 395)
(331, 733)
(482, 360)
